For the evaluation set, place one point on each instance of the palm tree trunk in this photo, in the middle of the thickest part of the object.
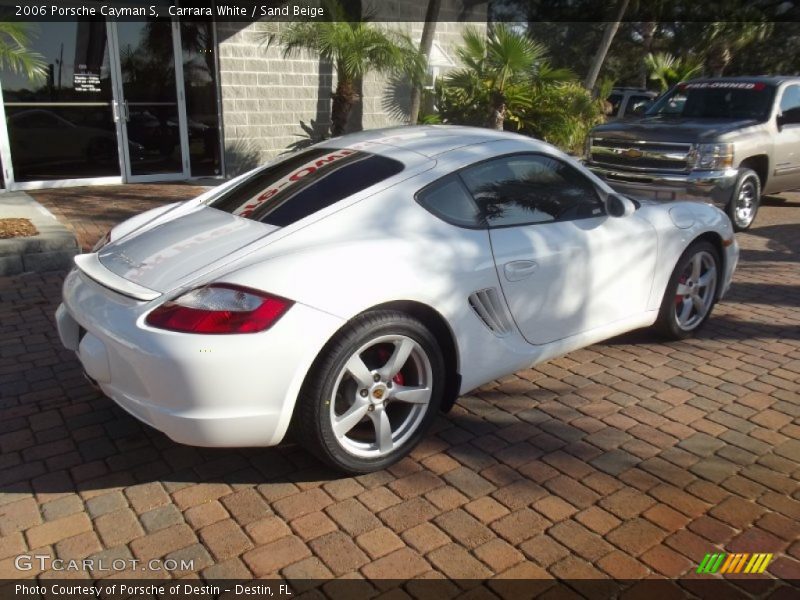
(497, 118)
(718, 59)
(425, 45)
(344, 98)
(605, 44)
(648, 33)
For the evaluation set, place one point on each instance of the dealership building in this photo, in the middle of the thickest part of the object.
(176, 98)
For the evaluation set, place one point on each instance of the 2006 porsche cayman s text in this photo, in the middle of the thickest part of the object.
(356, 288)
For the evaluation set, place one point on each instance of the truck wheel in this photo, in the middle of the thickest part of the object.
(743, 206)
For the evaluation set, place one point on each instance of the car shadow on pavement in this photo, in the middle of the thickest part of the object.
(719, 327)
(105, 448)
(79, 441)
(779, 201)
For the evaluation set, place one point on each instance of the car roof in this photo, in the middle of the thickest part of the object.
(768, 79)
(637, 90)
(427, 140)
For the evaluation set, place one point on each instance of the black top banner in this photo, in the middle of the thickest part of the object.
(408, 10)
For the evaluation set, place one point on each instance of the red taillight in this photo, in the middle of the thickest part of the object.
(219, 308)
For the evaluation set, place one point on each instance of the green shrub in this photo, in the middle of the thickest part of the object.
(507, 81)
(562, 114)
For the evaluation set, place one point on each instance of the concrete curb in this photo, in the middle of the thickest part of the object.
(51, 250)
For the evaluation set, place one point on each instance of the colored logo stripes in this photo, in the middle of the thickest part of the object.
(734, 563)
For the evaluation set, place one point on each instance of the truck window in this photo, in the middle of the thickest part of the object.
(791, 98)
(717, 100)
(636, 104)
(612, 106)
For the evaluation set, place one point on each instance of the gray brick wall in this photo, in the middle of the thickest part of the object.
(270, 104)
(266, 98)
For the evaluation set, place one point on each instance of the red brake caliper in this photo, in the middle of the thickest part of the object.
(678, 297)
(383, 354)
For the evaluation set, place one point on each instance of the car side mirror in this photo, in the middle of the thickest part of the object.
(618, 205)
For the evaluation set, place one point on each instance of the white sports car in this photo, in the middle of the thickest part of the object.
(354, 289)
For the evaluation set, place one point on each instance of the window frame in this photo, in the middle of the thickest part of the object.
(457, 174)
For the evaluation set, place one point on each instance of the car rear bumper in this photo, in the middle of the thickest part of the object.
(202, 390)
(715, 187)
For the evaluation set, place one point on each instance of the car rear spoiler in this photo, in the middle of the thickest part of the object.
(91, 266)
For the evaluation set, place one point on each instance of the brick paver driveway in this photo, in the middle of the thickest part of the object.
(629, 458)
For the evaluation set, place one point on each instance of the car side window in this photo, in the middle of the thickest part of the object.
(614, 100)
(636, 105)
(449, 200)
(530, 188)
(791, 98)
(790, 104)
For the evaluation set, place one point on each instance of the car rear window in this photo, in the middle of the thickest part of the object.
(304, 184)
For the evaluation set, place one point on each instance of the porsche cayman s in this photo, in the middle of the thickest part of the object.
(354, 289)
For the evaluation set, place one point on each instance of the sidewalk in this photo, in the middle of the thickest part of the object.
(91, 211)
(51, 249)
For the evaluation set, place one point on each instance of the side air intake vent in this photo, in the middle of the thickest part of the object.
(490, 309)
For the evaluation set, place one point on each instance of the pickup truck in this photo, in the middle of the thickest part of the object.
(727, 141)
(627, 102)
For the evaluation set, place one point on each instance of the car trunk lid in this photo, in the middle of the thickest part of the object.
(166, 256)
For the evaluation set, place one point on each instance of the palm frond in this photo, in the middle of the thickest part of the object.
(513, 54)
(472, 52)
(547, 74)
(15, 55)
(668, 70)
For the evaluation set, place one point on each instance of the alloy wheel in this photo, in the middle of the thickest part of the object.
(381, 396)
(697, 287)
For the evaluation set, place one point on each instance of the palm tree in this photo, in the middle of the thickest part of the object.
(605, 43)
(647, 30)
(354, 48)
(425, 45)
(724, 38)
(500, 72)
(668, 70)
(15, 55)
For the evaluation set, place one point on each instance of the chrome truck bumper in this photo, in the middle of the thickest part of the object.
(715, 187)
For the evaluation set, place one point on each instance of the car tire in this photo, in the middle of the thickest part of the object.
(743, 207)
(354, 392)
(691, 293)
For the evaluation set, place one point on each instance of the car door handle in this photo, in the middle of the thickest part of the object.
(520, 269)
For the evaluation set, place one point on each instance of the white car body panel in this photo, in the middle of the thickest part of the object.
(198, 389)
(558, 264)
(370, 249)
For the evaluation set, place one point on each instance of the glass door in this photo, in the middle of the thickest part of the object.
(149, 102)
(58, 128)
